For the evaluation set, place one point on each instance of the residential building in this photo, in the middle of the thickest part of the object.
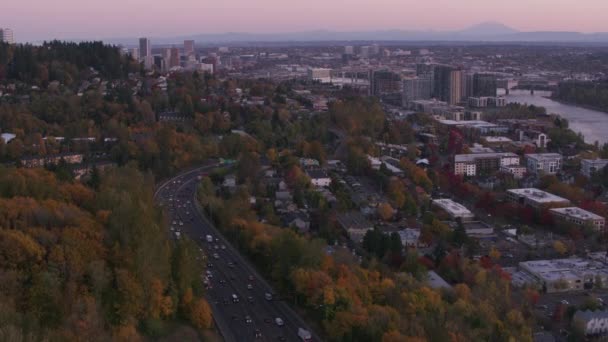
(448, 84)
(53, 159)
(416, 88)
(593, 323)
(384, 82)
(355, 225)
(517, 171)
(536, 198)
(562, 275)
(590, 166)
(322, 75)
(454, 209)
(319, 177)
(483, 163)
(579, 217)
(544, 163)
(349, 50)
(484, 84)
(6, 36)
(410, 238)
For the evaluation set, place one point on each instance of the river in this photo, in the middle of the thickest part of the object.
(591, 123)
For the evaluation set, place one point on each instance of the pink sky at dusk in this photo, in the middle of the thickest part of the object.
(92, 19)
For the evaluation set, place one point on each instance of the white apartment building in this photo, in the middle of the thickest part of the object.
(544, 163)
(322, 75)
(579, 217)
(454, 209)
(590, 166)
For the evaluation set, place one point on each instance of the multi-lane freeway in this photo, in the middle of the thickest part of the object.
(244, 305)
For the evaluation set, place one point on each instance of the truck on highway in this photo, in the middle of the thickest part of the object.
(304, 334)
(209, 238)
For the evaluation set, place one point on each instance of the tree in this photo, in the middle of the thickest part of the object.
(560, 247)
(494, 254)
(385, 211)
(200, 314)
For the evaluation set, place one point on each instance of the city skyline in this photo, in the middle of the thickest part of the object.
(70, 19)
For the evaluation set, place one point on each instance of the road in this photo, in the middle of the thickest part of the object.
(252, 317)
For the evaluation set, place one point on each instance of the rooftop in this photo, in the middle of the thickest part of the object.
(496, 139)
(543, 155)
(436, 282)
(577, 213)
(469, 158)
(570, 268)
(453, 208)
(537, 195)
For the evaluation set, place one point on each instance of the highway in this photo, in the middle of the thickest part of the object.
(251, 317)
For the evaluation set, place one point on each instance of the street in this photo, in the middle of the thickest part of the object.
(237, 294)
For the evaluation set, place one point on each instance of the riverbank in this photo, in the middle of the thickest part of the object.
(569, 103)
(592, 124)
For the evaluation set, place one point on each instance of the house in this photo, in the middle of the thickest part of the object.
(411, 238)
(436, 282)
(319, 177)
(229, 182)
(355, 225)
(298, 219)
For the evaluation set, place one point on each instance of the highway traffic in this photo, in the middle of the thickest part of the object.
(244, 305)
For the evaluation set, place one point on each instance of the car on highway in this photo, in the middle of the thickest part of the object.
(223, 247)
(268, 296)
(279, 322)
(250, 299)
(216, 256)
(249, 287)
(248, 319)
(258, 334)
(209, 238)
(235, 298)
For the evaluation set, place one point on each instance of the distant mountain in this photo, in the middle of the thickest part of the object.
(489, 28)
(483, 32)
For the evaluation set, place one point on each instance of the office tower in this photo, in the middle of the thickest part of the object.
(375, 49)
(6, 36)
(189, 47)
(145, 48)
(416, 88)
(484, 84)
(426, 71)
(364, 53)
(467, 85)
(174, 57)
(447, 84)
(349, 50)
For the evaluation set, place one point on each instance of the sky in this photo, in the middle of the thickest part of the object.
(34, 20)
